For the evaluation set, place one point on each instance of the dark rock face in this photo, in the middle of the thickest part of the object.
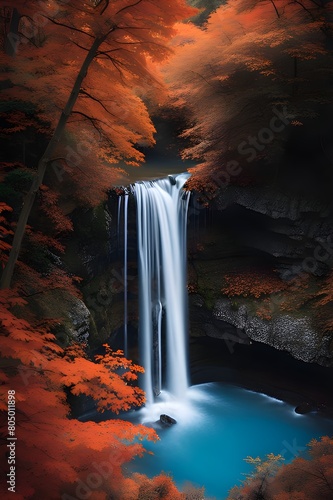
(72, 312)
(284, 226)
(167, 421)
(203, 322)
(284, 332)
(289, 234)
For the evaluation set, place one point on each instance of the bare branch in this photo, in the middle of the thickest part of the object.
(89, 118)
(93, 122)
(85, 93)
(275, 8)
(105, 7)
(114, 62)
(68, 26)
(305, 8)
(140, 43)
(128, 7)
(29, 39)
(80, 46)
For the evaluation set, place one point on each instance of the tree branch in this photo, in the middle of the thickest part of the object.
(275, 8)
(68, 26)
(29, 39)
(92, 121)
(84, 92)
(114, 62)
(305, 8)
(80, 46)
(127, 7)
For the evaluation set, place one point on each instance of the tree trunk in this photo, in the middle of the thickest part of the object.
(295, 83)
(7, 274)
(12, 38)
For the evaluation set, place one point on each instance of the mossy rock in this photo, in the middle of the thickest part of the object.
(70, 311)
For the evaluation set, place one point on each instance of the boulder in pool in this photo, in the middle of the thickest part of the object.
(167, 421)
(305, 408)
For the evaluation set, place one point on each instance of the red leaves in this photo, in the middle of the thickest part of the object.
(46, 241)
(253, 284)
(49, 205)
(113, 374)
(55, 451)
(105, 127)
(4, 232)
(236, 68)
(302, 479)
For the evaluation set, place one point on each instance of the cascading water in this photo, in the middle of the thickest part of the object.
(123, 210)
(125, 273)
(162, 207)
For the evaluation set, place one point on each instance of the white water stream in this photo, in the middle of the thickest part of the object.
(162, 207)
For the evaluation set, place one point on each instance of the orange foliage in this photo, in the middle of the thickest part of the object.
(302, 479)
(56, 452)
(324, 304)
(4, 232)
(49, 205)
(312, 478)
(31, 282)
(296, 293)
(18, 121)
(159, 488)
(250, 58)
(326, 292)
(113, 375)
(253, 284)
(45, 241)
(110, 117)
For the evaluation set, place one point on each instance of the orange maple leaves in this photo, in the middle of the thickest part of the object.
(302, 479)
(53, 447)
(253, 284)
(228, 76)
(5, 231)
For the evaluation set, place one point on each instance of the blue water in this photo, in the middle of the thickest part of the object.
(217, 427)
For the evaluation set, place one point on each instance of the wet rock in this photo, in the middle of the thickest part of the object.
(79, 315)
(270, 202)
(304, 408)
(285, 332)
(167, 421)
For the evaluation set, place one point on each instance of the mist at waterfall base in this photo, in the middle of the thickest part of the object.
(218, 425)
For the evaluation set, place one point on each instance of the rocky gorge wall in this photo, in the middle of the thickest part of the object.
(276, 250)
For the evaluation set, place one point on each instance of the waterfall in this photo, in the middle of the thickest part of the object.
(162, 207)
(125, 273)
(118, 223)
(123, 209)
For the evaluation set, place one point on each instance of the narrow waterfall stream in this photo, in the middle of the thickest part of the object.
(122, 217)
(162, 207)
(125, 273)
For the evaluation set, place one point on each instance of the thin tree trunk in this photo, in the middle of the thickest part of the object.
(295, 83)
(7, 274)
(12, 35)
